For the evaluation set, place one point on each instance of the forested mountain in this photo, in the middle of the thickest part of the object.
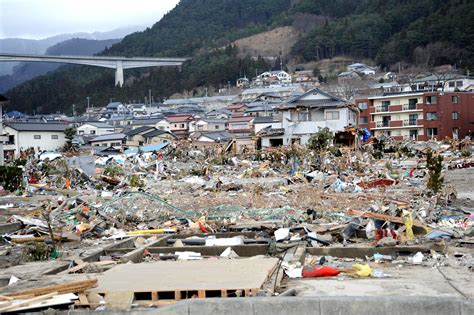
(427, 32)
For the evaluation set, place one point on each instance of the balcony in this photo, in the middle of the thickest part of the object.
(410, 122)
(383, 124)
(379, 109)
(409, 107)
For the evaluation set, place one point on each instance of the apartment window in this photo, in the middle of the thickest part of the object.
(431, 99)
(414, 134)
(363, 105)
(431, 132)
(363, 120)
(454, 99)
(454, 115)
(432, 116)
(37, 137)
(54, 137)
(412, 103)
(332, 115)
(385, 105)
(459, 83)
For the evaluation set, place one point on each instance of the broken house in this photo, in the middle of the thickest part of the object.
(305, 115)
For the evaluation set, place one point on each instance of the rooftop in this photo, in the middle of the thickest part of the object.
(37, 126)
(112, 136)
(138, 130)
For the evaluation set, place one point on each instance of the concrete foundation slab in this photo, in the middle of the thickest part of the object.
(187, 275)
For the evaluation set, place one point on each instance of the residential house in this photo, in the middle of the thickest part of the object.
(258, 109)
(136, 138)
(243, 82)
(115, 140)
(418, 116)
(159, 136)
(286, 92)
(40, 136)
(305, 115)
(116, 108)
(94, 129)
(237, 108)
(208, 124)
(263, 122)
(361, 68)
(216, 137)
(178, 125)
(279, 77)
(241, 124)
(446, 82)
(222, 113)
(137, 109)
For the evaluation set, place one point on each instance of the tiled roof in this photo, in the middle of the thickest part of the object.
(37, 126)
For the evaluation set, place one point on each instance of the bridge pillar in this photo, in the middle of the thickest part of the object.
(119, 74)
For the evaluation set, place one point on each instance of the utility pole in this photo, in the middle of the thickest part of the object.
(88, 111)
(73, 109)
(149, 97)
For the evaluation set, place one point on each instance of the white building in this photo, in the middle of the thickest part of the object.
(361, 68)
(95, 129)
(305, 115)
(40, 136)
(281, 76)
(208, 124)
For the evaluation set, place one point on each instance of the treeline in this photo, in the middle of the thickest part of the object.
(390, 31)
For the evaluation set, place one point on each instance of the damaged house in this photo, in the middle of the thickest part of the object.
(304, 115)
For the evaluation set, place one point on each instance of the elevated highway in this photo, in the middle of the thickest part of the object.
(117, 63)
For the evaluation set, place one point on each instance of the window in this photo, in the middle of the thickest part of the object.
(385, 105)
(455, 133)
(363, 105)
(454, 115)
(92, 132)
(454, 99)
(414, 134)
(451, 83)
(200, 127)
(459, 83)
(11, 139)
(432, 132)
(175, 125)
(54, 137)
(363, 120)
(304, 116)
(181, 126)
(432, 116)
(37, 137)
(431, 99)
(216, 127)
(81, 132)
(332, 115)
(412, 103)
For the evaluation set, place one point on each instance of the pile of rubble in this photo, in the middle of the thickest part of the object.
(180, 204)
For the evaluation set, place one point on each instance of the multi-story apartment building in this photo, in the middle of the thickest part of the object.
(419, 116)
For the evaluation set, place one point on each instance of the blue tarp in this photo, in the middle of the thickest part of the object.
(148, 148)
(15, 114)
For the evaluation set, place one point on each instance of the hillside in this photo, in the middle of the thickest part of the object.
(420, 32)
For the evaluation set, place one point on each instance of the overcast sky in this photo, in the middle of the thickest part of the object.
(43, 18)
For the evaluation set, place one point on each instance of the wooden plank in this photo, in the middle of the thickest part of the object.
(5, 298)
(201, 294)
(83, 299)
(177, 295)
(74, 269)
(28, 302)
(224, 293)
(154, 296)
(70, 287)
(247, 292)
(383, 217)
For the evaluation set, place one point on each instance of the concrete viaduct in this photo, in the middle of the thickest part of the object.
(117, 63)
